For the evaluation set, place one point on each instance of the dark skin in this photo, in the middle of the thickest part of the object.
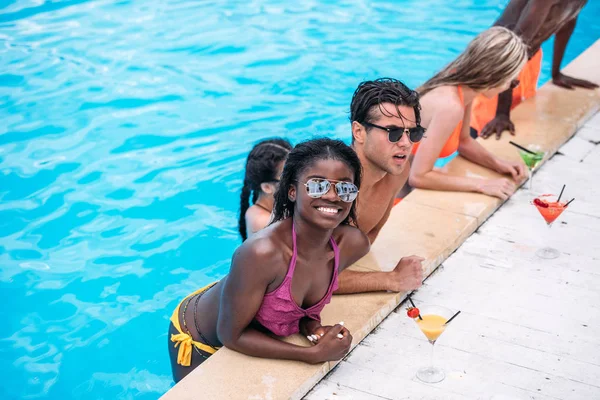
(536, 21)
(226, 312)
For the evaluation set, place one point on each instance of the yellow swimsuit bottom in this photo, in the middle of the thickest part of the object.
(184, 340)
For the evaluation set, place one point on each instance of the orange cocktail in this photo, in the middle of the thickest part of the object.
(550, 209)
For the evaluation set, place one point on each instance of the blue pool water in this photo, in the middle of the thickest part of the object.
(123, 131)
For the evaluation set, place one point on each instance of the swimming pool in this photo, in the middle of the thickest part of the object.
(123, 131)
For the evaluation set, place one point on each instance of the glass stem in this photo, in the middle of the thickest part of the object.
(432, 348)
(530, 179)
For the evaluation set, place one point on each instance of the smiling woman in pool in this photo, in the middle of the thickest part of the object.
(281, 278)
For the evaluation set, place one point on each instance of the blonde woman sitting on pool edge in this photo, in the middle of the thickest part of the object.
(489, 65)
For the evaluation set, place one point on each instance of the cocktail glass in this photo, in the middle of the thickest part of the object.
(532, 161)
(432, 325)
(550, 210)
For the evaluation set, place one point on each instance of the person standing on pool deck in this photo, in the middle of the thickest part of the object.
(489, 65)
(282, 277)
(535, 21)
(261, 179)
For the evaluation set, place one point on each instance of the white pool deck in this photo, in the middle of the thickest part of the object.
(529, 328)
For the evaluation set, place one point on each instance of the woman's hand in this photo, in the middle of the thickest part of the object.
(309, 327)
(319, 332)
(502, 188)
(333, 345)
(517, 170)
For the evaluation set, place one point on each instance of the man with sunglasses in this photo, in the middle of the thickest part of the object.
(385, 117)
(535, 21)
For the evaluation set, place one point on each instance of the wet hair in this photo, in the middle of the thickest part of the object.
(261, 167)
(490, 59)
(302, 157)
(371, 94)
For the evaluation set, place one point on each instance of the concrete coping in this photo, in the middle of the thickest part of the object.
(439, 223)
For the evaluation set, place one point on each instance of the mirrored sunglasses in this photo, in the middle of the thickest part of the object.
(346, 191)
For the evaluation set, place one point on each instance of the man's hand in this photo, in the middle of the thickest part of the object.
(498, 125)
(571, 83)
(407, 276)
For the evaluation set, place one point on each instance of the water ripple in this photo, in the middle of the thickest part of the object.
(123, 131)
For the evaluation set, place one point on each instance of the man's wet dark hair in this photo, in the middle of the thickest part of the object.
(371, 94)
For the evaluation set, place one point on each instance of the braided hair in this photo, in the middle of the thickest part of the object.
(261, 167)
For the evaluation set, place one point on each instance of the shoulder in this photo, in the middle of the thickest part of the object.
(446, 99)
(443, 98)
(352, 242)
(442, 106)
(254, 211)
(256, 219)
(349, 234)
(261, 252)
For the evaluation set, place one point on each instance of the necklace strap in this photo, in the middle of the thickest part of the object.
(263, 207)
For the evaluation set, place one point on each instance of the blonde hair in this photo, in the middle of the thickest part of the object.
(493, 57)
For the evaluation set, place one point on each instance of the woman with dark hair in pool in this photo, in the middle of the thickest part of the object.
(263, 169)
(282, 277)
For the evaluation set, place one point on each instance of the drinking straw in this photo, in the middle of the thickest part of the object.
(451, 318)
(521, 147)
(413, 304)
(561, 192)
(569, 202)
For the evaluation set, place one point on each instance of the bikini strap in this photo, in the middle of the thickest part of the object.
(336, 254)
(292, 266)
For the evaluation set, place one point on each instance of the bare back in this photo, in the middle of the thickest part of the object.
(525, 17)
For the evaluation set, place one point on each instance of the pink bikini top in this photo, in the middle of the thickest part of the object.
(279, 313)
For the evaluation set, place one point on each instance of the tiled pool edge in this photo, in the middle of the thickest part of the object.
(437, 226)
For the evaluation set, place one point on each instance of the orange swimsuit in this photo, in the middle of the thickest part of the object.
(450, 149)
(484, 109)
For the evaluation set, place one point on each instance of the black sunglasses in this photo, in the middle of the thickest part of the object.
(514, 83)
(395, 134)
